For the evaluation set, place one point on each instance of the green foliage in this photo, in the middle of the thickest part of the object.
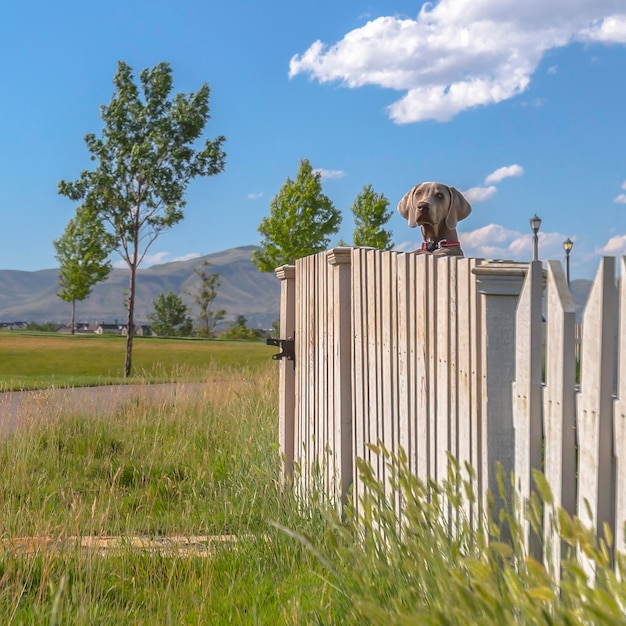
(169, 318)
(203, 298)
(239, 330)
(300, 223)
(145, 158)
(370, 215)
(82, 252)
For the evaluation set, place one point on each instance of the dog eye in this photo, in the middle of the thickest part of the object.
(439, 194)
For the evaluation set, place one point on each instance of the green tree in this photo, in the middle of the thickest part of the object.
(145, 159)
(370, 215)
(82, 252)
(169, 318)
(203, 297)
(239, 330)
(300, 223)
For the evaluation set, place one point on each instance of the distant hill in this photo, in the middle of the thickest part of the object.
(31, 296)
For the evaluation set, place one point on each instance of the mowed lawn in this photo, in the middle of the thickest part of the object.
(36, 360)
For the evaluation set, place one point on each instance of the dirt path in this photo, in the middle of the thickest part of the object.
(25, 408)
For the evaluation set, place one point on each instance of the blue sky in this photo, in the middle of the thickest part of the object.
(520, 105)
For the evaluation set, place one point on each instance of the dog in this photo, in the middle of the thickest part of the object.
(437, 208)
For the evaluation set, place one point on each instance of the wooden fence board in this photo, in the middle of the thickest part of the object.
(559, 407)
(595, 425)
(619, 413)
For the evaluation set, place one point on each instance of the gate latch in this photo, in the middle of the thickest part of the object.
(287, 346)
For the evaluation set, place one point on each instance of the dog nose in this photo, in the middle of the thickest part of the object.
(423, 207)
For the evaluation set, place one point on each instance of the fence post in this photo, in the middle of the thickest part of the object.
(340, 259)
(287, 380)
(499, 286)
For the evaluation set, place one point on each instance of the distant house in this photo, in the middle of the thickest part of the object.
(13, 325)
(141, 330)
(107, 329)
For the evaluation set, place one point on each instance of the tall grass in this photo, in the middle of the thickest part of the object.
(203, 466)
(428, 565)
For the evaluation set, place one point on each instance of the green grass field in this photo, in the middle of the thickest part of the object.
(209, 466)
(36, 360)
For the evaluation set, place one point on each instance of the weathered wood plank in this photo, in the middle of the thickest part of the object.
(527, 414)
(619, 412)
(596, 461)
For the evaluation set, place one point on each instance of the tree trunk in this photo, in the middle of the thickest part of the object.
(130, 328)
(73, 315)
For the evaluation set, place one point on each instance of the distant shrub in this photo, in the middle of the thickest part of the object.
(43, 326)
(239, 330)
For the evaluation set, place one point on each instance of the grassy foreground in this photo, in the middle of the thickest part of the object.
(209, 466)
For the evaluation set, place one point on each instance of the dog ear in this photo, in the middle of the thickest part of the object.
(403, 205)
(460, 208)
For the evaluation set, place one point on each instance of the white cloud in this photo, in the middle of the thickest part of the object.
(185, 257)
(608, 30)
(255, 196)
(504, 172)
(480, 194)
(158, 258)
(620, 199)
(616, 246)
(458, 54)
(329, 174)
(624, 185)
(496, 242)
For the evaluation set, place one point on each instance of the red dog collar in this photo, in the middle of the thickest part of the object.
(431, 246)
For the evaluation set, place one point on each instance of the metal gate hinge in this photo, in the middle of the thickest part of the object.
(287, 346)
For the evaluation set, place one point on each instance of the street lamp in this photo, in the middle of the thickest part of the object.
(535, 224)
(568, 244)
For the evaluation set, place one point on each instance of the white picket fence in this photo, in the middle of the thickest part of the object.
(444, 355)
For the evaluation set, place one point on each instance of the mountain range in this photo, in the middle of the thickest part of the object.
(243, 290)
(32, 296)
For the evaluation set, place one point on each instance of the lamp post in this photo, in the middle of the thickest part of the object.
(535, 224)
(568, 244)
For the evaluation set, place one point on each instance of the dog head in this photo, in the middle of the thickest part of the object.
(434, 204)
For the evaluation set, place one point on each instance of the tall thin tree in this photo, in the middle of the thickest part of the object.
(83, 252)
(145, 159)
(203, 297)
